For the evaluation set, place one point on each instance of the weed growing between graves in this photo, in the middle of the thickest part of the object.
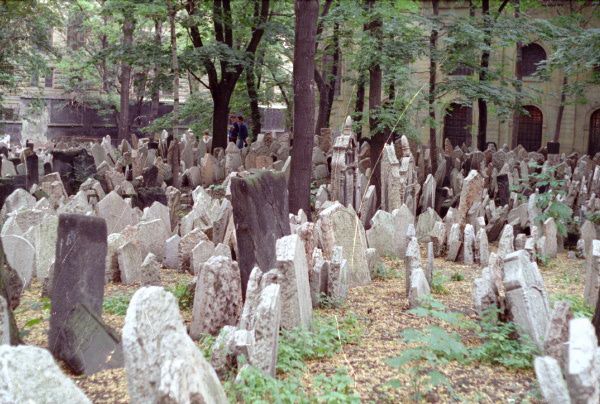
(436, 346)
(44, 305)
(252, 386)
(206, 343)
(437, 284)
(578, 305)
(184, 295)
(384, 271)
(457, 277)
(116, 305)
(326, 338)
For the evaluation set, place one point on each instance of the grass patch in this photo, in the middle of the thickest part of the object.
(457, 277)
(438, 284)
(578, 305)
(325, 338)
(184, 294)
(116, 304)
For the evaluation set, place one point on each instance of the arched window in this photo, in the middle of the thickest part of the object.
(533, 54)
(530, 128)
(594, 142)
(457, 124)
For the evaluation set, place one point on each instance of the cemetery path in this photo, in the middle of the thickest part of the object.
(383, 309)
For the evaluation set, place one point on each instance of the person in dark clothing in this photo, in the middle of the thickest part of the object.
(242, 133)
(234, 129)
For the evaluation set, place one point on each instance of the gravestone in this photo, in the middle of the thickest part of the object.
(162, 363)
(258, 229)
(78, 279)
(526, 296)
(218, 297)
(32, 165)
(28, 374)
(296, 304)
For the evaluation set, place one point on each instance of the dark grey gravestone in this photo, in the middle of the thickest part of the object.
(260, 214)
(78, 279)
(150, 176)
(33, 176)
(97, 346)
(147, 196)
(503, 189)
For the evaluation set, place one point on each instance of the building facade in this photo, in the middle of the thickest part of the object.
(580, 127)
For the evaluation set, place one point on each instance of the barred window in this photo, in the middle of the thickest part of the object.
(530, 128)
(533, 54)
(457, 124)
(594, 141)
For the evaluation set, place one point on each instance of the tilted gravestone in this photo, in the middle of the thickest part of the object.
(75, 331)
(260, 213)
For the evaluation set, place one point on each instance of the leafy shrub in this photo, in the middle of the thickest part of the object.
(501, 346)
(184, 294)
(435, 346)
(252, 386)
(117, 304)
(383, 271)
(324, 340)
(437, 284)
(457, 277)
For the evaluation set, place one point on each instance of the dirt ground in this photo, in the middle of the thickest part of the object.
(382, 308)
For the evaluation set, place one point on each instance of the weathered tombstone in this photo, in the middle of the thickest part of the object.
(296, 304)
(592, 279)
(337, 276)
(503, 189)
(468, 245)
(162, 362)
(78, 280)
(551, 381)
(384, 235)
(454, 242)
(557, 334)
(32, 164)
(266, 329)
(582, 362)
(28, 374)
(471, 193)
(526, 296)
(258, 228)
(339, 226)
(218, 297)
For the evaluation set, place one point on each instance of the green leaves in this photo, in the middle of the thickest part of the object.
(325, 338)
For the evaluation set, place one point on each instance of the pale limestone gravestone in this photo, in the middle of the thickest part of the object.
(29, 374)
(551, 381)
(295, 290)
(526, 296)
(218, 297)
(583, 363)
(162, 363)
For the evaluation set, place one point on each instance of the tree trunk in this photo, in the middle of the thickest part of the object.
(432, 79)
(220, 118)
(359, 106)
(128, 27)
(306, 12)
(596, 318)
(335, 66)
(561, 108)
(174, 66)
(155, 103)
(485, 63)
(378, 138)
(518, 86)
(252, 88)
